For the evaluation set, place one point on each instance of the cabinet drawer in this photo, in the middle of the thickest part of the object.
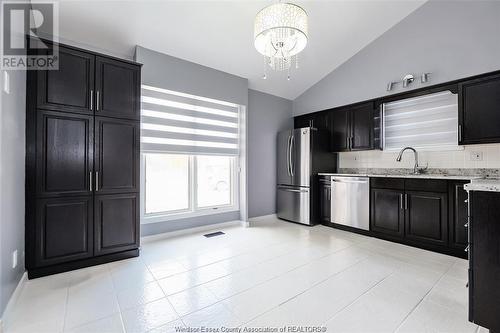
(388, 183)
(431, 185)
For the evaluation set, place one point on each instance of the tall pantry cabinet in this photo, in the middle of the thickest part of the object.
(82, 162)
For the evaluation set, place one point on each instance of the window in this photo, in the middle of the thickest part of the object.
(190, 148)
(428, 122)
(166, 183)
(184, 184)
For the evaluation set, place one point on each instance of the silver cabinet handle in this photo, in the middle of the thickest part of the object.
(406, 201)
(467, 248)
(466, 225)
(97, 181)
(90, 181)
(91, 100)
(401, 201)
(97, 101)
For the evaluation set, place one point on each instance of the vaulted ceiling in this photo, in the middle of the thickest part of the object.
(219, 34)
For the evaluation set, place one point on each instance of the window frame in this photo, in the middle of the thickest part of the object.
(438, 147)
(193, 210)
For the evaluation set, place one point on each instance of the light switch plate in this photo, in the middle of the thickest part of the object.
(14, 259)
(6, 82)
(476, 156)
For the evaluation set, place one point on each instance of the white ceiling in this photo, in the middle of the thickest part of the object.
(219, 34)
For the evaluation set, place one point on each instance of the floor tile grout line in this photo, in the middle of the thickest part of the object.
(422, 299)
(306, 290)
(357, 298)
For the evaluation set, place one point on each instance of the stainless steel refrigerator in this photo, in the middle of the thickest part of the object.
(302, 153)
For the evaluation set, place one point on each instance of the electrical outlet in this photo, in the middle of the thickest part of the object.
(6, 82)
(14, 259)
(476, 156)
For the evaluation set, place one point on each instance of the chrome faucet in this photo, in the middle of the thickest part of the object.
(416, 169)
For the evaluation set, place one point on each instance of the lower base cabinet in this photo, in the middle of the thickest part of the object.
(387, 212)
(64, 230)
(484, 262)
(426, 217)
(425, 213)
(115, 222)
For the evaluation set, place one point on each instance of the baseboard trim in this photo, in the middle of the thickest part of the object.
(262, 218)
(176, 233)
(12, 301)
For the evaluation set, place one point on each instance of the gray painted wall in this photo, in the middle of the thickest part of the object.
(267, 115)
(451, 39)
(164, 71)
(12, 157)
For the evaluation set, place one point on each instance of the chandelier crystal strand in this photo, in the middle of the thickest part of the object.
(280, 33)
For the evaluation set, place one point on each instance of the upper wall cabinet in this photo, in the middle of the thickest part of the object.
(479, 111)
(90, 84)
(352, 128)
(117, 85)
(71, 87)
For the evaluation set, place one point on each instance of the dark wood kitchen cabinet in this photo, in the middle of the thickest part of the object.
(362, 127)
(116, 227)
(63, 229)
(71, 87)
(484, 260)
(426, 217)
(117, 87)
(412, 211)
(352, 128)
(64, 148)
(457, 215)
(325, 198)
(82, 162)
(117, 147)
(479, 110)
(339, 130)
(387, 212)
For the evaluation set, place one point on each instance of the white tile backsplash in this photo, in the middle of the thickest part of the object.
(435, 159)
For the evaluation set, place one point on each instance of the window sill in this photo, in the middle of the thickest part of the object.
(185, 215)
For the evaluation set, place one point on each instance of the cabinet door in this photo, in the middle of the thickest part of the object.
(325, 203)
(303, 121)
(458, 216)
(116, 155)
(485, 259)
(339, 127)
(64, 154)
(116, 223)
(64, 230)
(387, 212)
(118, 87)
(362, 127)
(70, 88)
(426, 218)
(479, 111)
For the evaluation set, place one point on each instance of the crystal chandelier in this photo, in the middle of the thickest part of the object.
(280, 33)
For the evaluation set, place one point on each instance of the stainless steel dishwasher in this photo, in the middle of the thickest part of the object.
(350, 201)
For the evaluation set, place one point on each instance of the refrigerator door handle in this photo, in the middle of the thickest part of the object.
(290, 158)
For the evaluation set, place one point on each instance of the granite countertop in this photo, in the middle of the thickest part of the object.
(432, 173)
(423, 176)
(488, 185)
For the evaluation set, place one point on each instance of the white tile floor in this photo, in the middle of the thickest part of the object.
(272, 274)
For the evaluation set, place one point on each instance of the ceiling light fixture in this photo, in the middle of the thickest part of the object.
(280, 33)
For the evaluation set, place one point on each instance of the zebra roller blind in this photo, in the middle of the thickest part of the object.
(422, 122)
(173, 122)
